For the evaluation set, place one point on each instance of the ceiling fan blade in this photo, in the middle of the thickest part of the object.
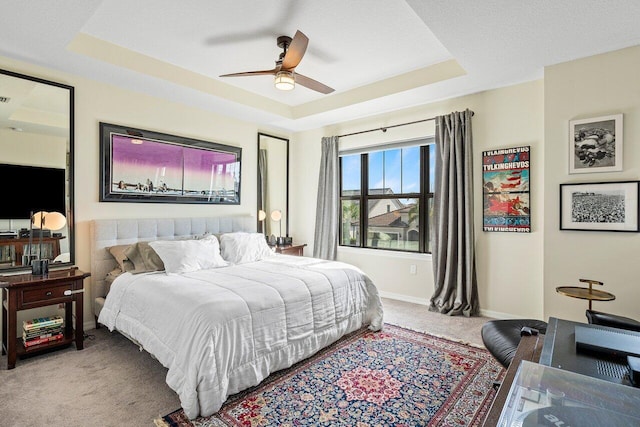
(296, 51)
(312, 84)
(252, 73)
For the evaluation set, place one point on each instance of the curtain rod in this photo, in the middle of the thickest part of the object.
(384, 129)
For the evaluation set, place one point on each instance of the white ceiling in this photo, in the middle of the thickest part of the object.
(379, 55)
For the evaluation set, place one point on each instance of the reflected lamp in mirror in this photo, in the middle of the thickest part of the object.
(54, 221)
(262, 215)
(50, 221)
(277, 217)
(45, 222)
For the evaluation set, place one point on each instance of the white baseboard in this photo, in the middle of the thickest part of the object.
(499, 315)
(425, 301)
(90, 325)
(405, 298)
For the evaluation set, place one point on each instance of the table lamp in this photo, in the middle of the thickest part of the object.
(277, 216)
(43, 221)
(262, 215)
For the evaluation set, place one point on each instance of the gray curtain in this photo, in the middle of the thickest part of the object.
(456, 288)
(326, 233)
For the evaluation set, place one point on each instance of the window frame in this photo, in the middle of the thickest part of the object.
(424, 197)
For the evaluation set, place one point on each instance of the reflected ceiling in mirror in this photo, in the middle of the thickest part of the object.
(273, 185)
(36, 153)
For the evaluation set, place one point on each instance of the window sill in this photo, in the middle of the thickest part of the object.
(384, 253)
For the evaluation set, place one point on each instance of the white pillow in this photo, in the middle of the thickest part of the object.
(183, 256)
(241, 247)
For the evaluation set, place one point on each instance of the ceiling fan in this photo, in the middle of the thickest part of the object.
(285, 76)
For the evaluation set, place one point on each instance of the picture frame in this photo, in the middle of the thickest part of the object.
(600, 206)
(595, 144)
(142, 166)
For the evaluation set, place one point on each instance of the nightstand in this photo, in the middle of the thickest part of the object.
(25, 291)
(297, 250)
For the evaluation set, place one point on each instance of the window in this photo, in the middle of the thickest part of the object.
(388, 193)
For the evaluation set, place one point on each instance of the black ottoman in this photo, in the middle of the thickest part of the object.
(501, 337)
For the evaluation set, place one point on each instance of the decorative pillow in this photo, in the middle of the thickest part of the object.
(182, 256)
(241, 247)
(144, 258)
(118, 252)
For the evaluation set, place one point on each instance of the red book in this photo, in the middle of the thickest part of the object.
(37, 341)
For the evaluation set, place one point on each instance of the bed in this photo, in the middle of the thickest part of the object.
(224, 325)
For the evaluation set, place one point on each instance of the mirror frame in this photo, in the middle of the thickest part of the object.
(69, 167)
(286, 141)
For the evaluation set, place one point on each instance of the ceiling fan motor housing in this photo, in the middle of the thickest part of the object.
(283, 42)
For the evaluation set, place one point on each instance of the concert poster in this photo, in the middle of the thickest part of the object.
(505, 190)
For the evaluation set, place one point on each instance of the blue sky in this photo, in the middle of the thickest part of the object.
(398, 169)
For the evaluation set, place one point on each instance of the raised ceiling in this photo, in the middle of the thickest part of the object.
(378, 55)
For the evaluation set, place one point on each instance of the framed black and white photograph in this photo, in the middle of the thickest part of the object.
(595, 145)
(600, 206)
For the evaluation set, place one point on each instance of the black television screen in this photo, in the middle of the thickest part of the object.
(27, 189)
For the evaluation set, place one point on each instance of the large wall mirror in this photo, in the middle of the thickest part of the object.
(273, 185)
(36, 169)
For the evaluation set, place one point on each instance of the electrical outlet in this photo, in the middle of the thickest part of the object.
(413, 269)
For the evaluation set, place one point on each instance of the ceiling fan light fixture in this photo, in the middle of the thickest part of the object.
(284, 80)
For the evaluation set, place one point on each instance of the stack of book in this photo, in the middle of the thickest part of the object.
(42, 330)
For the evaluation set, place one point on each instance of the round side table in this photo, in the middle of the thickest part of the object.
(586, 293)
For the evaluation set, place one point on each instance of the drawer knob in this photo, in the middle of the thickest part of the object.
(49, 293)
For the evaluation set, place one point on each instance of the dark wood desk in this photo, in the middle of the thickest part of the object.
(529, 348)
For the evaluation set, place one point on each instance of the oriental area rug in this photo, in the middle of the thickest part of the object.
(394, 377)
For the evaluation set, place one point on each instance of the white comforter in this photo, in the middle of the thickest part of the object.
(223, 330)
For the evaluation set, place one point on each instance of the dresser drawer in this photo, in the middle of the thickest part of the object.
(45, 294)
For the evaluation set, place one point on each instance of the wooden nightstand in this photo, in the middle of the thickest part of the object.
(25, 291)
(297, 250)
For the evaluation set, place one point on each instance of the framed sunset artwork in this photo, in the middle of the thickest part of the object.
(145, 166)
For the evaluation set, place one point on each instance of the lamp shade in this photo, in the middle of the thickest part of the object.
(276, 215)
(54, 221)
(262, 215)
(284, 80)
(37, 220)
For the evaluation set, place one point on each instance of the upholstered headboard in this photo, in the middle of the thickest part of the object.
(110, 232)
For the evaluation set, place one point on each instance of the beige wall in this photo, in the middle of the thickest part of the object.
(33, 149)
(591, 87)
(509, 264)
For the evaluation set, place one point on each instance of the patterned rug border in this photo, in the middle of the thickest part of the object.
(286, 373)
